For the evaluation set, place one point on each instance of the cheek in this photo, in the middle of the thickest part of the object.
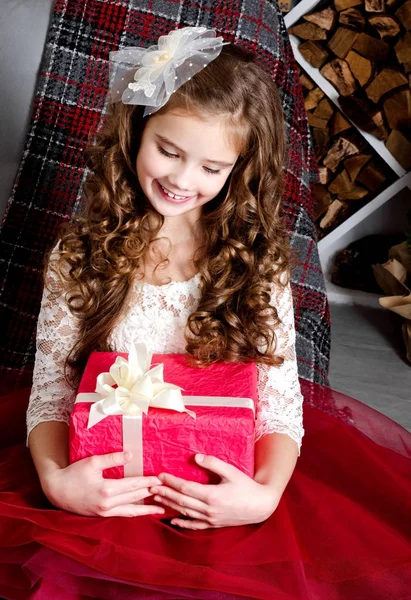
(148, 164)
(213, 185)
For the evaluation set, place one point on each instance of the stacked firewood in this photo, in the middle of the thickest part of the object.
(394, 278)
(351, 172)
(363, 48)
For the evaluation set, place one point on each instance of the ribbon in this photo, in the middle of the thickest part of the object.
(137, 388)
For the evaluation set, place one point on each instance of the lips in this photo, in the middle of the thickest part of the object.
(175, 200)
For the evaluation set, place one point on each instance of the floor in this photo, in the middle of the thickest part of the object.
(368, 360)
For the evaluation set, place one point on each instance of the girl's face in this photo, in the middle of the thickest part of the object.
(184, 161)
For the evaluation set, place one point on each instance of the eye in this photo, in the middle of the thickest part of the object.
(165, 153)
(212, 171)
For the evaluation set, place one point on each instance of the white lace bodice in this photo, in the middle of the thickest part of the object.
(158, 314)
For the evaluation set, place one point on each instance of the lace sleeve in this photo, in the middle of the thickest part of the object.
(51, 398)
(279, 395)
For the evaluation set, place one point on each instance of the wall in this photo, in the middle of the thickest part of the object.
(23, 28)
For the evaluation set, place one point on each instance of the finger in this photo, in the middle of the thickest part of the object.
(187, 512)
(187, 524)
(132, 510)
(114, 487)
(193, 489)
(128, 498)
(182, 499)
(226, 471)
(107, 461)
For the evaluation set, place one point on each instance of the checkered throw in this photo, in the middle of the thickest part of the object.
(69, 102)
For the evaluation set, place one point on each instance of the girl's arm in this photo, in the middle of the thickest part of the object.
(275, 459)
(279, 429)
(280, 401)
(80, 487)
(48, 444)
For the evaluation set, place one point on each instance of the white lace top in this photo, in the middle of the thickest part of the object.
(159, 314)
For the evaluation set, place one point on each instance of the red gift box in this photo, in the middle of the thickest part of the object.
(168, 439)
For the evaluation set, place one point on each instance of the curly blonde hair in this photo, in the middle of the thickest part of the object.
(245, 249)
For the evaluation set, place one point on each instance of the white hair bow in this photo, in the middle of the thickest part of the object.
(148, 76)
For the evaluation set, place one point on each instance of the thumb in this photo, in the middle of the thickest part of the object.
(114, 459)
(218, 466)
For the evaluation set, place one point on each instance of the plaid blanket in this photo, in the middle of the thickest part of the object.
(69, 102)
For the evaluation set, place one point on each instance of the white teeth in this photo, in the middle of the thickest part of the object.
(170, 194)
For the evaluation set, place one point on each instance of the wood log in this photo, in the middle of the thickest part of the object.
(334, 214)
(402, 253)
(315, 121)
(345, 189)
(338, 73)
(357, 192)
(353, 18)
(397, 109)
(343, 4)
(339, 123)
(361, 68)
(400, 148)
(354, 164)
(352, 266)
(372, 177)
(324, 174)
(342, 41)
(386, 81)
(374, 5)
(370, 47)
(312, 99)
(308, 31)
(340, 184)
(325, 19)
(314, 53)
(361, 112)
(403, 14)
(322, 198)
(322, 140)
(325, 109)
(379, 121)
(386, 26)
(403, 48)
(340, 149)
(306, 81)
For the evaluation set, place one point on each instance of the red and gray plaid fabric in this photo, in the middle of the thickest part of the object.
(69, 102)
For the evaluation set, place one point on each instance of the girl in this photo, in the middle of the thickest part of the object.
(183, 202)
(182, 247)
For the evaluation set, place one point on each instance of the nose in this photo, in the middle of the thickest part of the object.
(181, 177)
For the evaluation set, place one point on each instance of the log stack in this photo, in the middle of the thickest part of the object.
(394, 278)
(363, 48)
(351, 172)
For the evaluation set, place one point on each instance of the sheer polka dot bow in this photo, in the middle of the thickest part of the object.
(148, 76)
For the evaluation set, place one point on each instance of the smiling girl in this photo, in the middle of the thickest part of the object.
(182, 246)
(183, 216)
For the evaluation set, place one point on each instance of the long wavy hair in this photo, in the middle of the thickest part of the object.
(245, 246)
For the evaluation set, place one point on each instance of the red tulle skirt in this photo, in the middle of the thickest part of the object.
(341, 531)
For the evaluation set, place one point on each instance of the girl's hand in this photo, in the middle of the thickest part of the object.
(80, 488)
(236, 500)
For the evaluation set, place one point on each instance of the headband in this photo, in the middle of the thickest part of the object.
(148, 76)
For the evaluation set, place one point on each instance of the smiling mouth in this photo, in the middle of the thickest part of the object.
(174, 196)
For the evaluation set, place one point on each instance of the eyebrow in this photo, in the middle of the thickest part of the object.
(208, 160)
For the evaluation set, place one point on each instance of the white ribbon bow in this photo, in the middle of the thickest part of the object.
(138, 388)
(148, 76)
